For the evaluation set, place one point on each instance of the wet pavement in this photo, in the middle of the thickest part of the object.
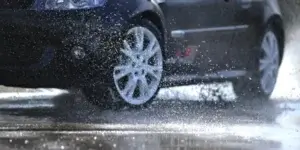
(67, 121)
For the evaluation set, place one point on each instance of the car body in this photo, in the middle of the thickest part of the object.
(202, 40)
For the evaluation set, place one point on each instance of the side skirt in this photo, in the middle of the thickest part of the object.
(220, 76)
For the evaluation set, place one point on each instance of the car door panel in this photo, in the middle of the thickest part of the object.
(207, 24)
(246, 42)
(181, 13)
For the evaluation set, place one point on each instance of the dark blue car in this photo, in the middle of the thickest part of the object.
(134, 47)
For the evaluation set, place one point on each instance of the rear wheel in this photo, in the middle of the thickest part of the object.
(138, 71)
(262, 83)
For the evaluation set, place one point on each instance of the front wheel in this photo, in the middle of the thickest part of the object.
(262, 83)
(139, 68)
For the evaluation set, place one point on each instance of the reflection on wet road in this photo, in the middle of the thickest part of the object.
(67, 121)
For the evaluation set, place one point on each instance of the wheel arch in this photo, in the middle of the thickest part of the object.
(154, 18)
(273, 17)
(152, 11)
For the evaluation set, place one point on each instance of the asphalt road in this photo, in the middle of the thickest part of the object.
(67, 121)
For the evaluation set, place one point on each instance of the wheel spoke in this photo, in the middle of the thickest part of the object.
(274, 72)
(152, 52)
(128, 54)
(126, 45)
(268, 46)
(130, 87)
(264, 79)
(268, 51)
(151, 44)
(273, 42)
(269, 79)
(139, 37)
(143, 86)
(263, 64)
(275, 55)
(128, 51)
(273, 66)
(121, 71)
(269, 71)
(154, 71)
(265, 46)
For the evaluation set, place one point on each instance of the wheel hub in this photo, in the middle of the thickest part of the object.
(139, 66)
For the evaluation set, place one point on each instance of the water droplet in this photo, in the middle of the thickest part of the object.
(95, 138)
(114, 145)
(26, 141)
(62, 147)
(77, 139)
(100, 145)
(10, 140)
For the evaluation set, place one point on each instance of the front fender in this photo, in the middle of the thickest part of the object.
(153, 6)
(271, 8)
(149, 5)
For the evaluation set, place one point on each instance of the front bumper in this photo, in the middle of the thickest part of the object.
(97, 30)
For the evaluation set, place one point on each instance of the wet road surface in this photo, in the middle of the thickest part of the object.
(67, 121)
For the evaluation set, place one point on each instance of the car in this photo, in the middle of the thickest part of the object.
(124, 51)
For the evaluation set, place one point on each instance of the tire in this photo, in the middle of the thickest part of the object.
(257, 85)
(135, 68)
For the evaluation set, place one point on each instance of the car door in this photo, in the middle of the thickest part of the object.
(203, 27)
(249, 13)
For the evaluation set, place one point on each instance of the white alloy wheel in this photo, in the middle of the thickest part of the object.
(269, 62)
(139, 70)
